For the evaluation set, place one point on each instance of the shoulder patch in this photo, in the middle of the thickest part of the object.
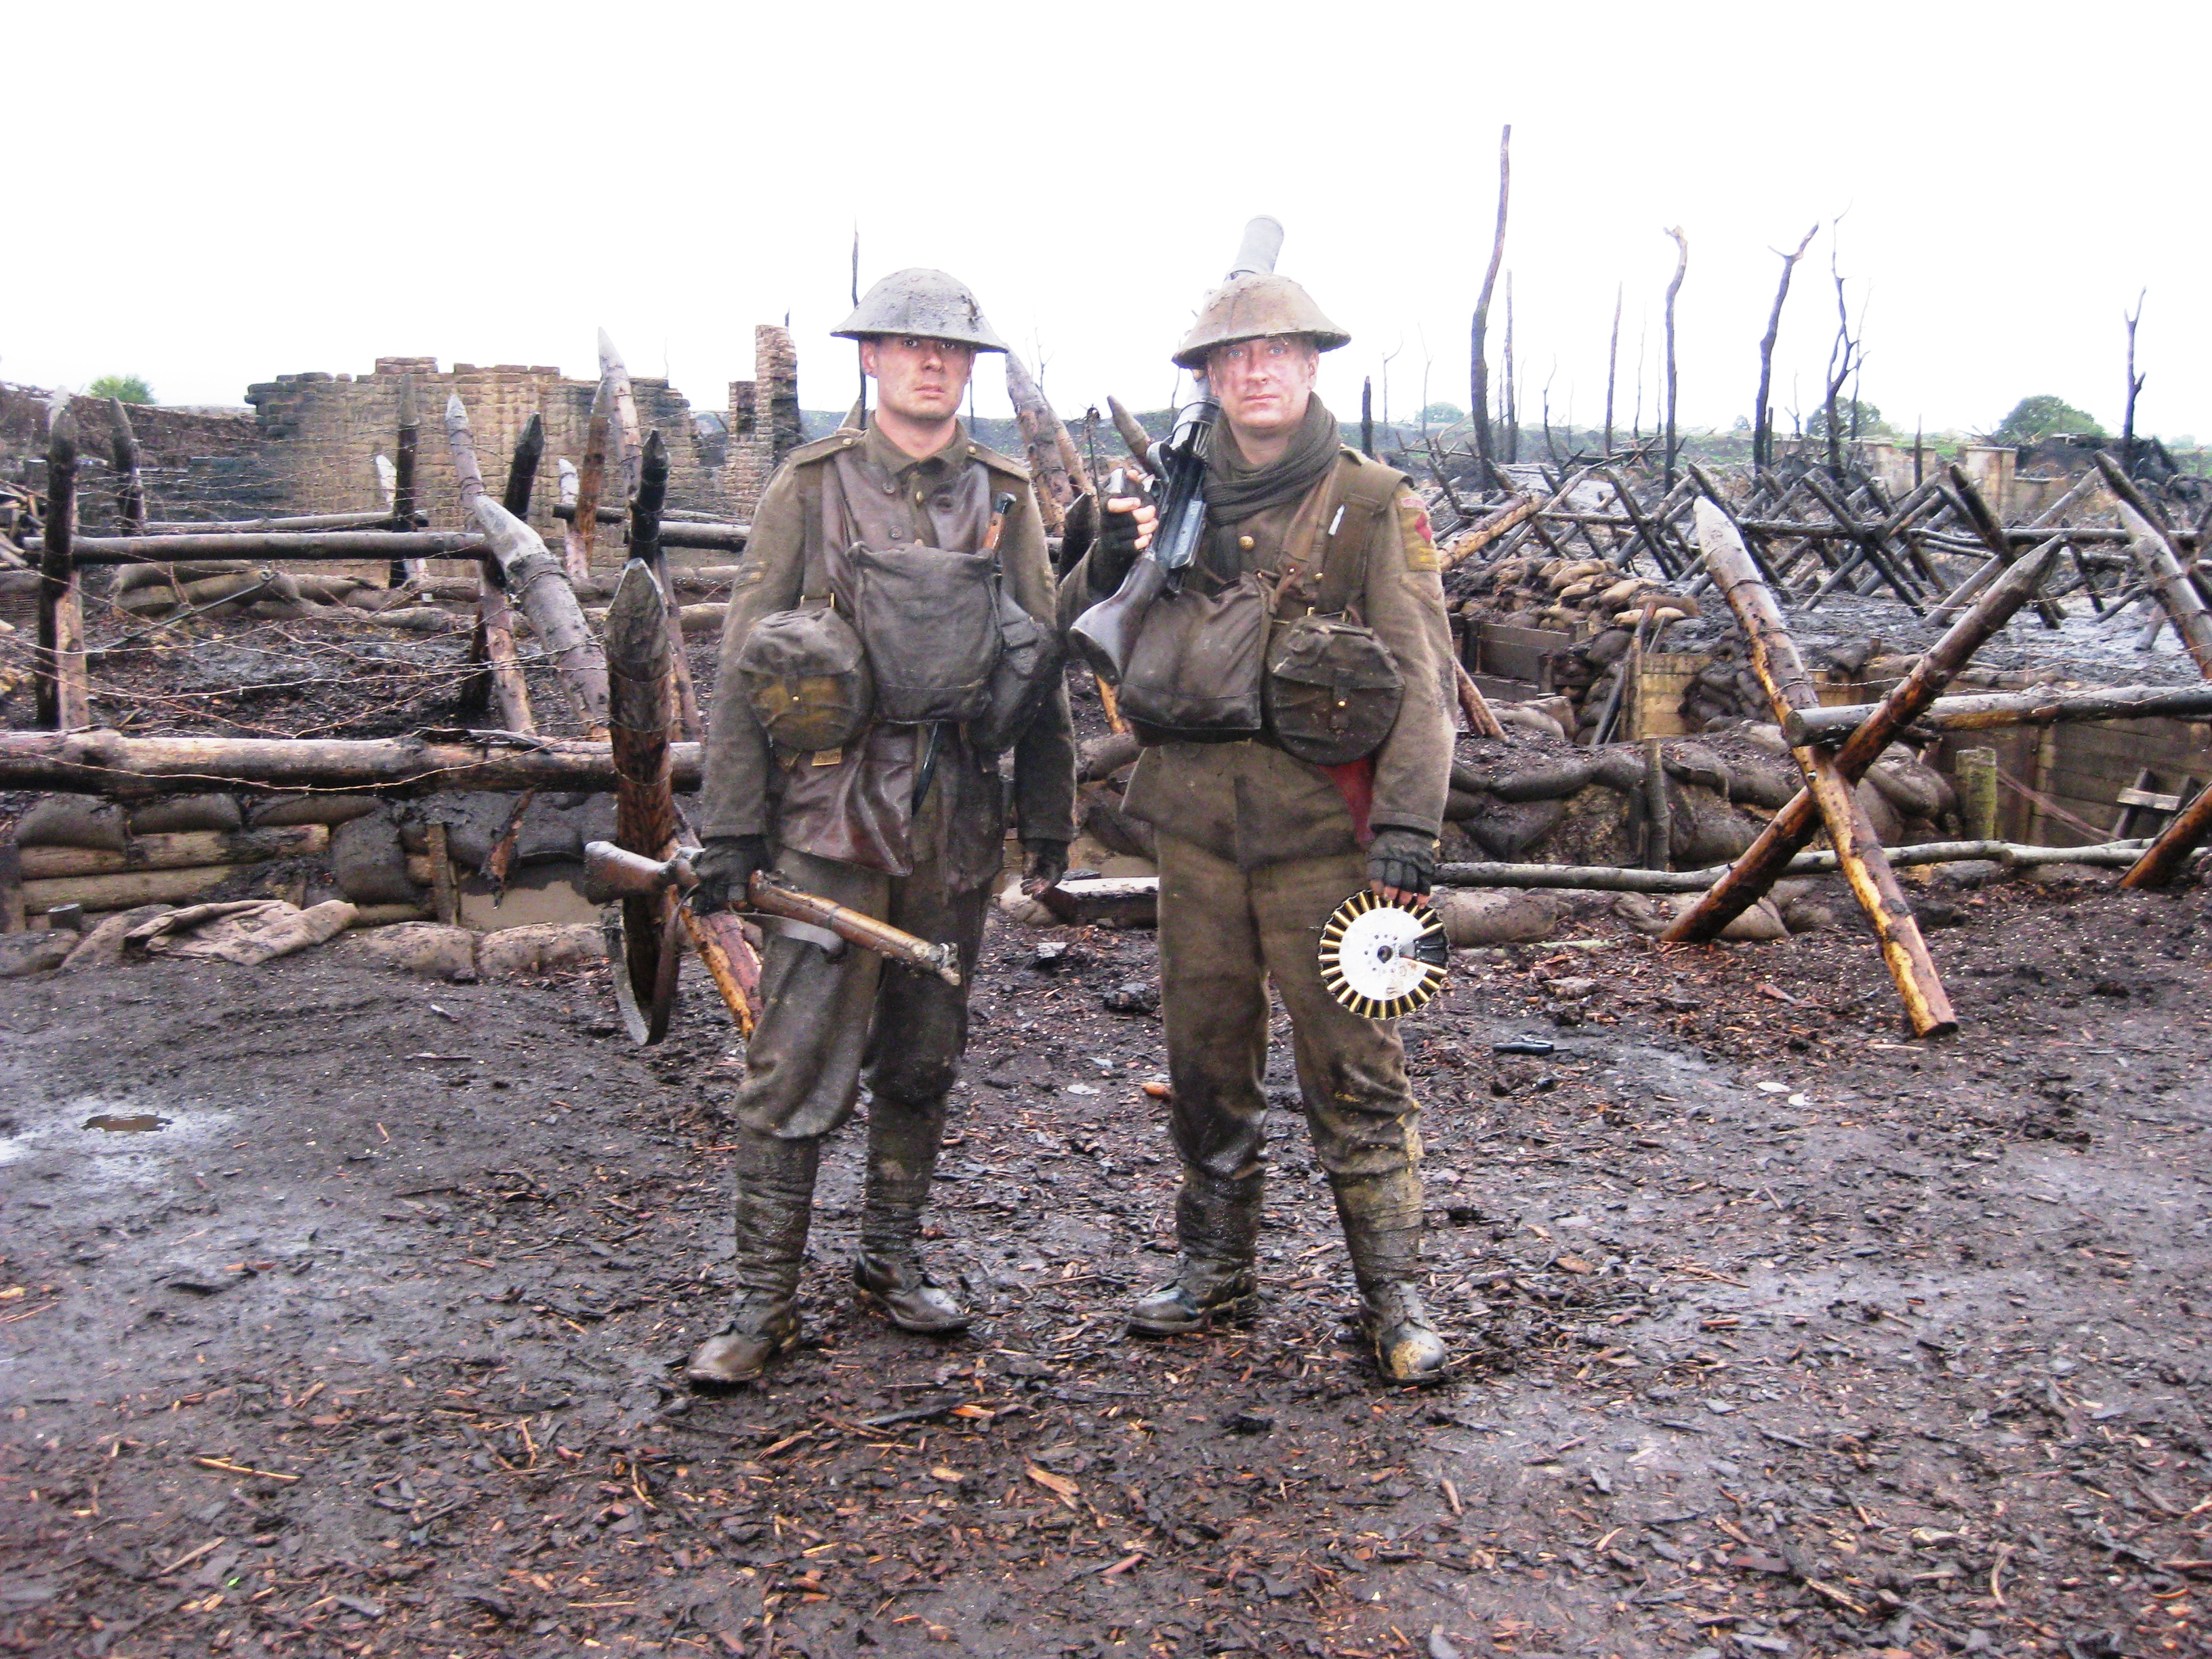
(1413, 534)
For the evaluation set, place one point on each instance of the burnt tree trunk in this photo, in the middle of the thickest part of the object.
(63, 701)
(1478, 365)
(1674, 287)
(1762, 419)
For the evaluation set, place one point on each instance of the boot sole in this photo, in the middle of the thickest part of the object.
(1242, 1308)
(869, 1298)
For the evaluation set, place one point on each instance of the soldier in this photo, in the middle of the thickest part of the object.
(1257, 847)
(871, 674)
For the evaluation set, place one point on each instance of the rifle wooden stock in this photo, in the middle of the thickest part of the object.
(1107, 633)
(612, 871)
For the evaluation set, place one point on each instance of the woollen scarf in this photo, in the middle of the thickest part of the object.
(1234, 489)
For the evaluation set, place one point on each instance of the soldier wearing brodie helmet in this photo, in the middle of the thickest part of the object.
(889, 636)
(1291, 696)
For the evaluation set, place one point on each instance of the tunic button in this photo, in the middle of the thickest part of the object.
(1244, 544)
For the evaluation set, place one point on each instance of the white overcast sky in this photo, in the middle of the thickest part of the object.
(256, 190)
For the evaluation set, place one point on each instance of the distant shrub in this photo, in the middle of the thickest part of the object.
(2043, 416)
(127, 388)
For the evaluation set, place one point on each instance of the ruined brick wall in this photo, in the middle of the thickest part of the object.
(324, 433)
(764, 419)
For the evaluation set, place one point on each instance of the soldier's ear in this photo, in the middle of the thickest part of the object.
(868, 358)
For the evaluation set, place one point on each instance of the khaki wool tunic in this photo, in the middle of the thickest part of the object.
(1251, 802)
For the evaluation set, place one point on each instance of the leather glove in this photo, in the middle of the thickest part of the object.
(725, 867)
(1081, 530)
(1403, 859)
(1048, 863)
(1115, 550)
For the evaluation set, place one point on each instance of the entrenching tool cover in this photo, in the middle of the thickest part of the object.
(1381, 960)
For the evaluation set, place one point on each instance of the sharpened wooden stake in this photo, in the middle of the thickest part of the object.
(510, 692)
(129, 488)
(645, 544)
(1043, 437)
(640, 696)
(1859, 852)
(583, 527)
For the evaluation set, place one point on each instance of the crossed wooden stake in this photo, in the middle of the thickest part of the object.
(1828, 800)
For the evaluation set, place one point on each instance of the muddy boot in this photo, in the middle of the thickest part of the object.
(775, 1201)
(1218, 1223)
(903, 1138)
(1382, 1217)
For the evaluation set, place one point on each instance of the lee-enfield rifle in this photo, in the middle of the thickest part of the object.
(1107, 632)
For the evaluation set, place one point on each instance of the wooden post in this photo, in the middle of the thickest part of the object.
(445, 895)
(63, 700)
(583, 527)
(1976, 771)
(645, 544)
(129, 488)
(1041, 428)
(403, 481)
(12, 918)
(1799, 820)
(533, 577)
(1658, 819)
(1859, 852)
(1367, 417)
(2159, 555)
(510, 692)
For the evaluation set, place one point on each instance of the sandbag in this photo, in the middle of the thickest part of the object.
(539, 948)
(427, 948)
(269, 811)
(1507, 916)
(92, 821)
(369, 862)
(35, 951)
(175, 813)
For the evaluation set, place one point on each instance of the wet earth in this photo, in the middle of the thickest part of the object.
(341, 1313)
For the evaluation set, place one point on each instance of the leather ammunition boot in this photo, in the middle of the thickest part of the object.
(1381, 1218)
(1218, 1223)
(904, 1138)
(774, 1203)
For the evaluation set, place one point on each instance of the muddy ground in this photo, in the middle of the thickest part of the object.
(1781, 1334)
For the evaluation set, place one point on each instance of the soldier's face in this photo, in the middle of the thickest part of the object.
(1264, 385)
(920, 378)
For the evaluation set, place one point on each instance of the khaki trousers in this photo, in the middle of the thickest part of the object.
(1223, 933)
(829, 1020)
